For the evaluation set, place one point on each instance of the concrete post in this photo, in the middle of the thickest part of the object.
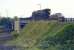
(16, 24)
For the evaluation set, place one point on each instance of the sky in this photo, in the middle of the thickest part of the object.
(24, 8)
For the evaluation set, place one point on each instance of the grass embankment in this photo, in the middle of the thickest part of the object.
(34, 32)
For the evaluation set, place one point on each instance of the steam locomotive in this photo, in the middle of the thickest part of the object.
(41, 14)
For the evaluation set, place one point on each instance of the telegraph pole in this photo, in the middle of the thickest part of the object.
(0, 14)
(39, 6)
(6, 12)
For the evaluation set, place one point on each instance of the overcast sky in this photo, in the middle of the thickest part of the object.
(24, 8)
